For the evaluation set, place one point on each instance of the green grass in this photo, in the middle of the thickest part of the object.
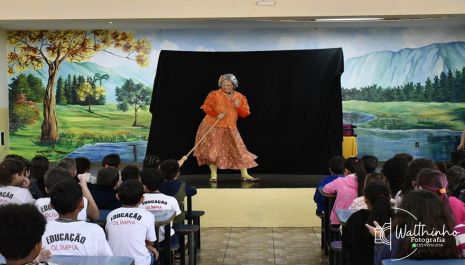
(410, 115)
(77, 127)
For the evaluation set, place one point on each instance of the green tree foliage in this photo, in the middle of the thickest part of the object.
(447, 87)
(60, 92)
(134, 96)
(22, 112)
(30, 86)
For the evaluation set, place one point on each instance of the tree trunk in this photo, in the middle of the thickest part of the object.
(135, 117)
(50, 124)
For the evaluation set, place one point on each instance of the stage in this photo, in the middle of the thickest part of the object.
(273, 201)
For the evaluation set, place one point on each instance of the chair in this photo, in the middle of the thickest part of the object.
(193, 217)
(336, 248)
(187, 229)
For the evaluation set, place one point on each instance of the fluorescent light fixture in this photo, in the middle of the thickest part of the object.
(343, 19)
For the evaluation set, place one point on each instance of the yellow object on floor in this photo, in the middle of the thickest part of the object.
(349, 146)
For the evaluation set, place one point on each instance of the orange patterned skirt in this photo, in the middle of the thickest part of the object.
(223, 147)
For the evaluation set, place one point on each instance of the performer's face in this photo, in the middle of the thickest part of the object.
(227, 86)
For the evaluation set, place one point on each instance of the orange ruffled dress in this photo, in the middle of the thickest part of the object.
(223, 146)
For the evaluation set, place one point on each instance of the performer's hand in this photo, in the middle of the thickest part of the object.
(237, 103)
(182, 160)
(220, 116)
(461, 147)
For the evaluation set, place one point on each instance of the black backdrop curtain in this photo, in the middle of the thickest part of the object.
(295, 124)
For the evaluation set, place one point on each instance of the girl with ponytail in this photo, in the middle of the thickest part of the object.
(436, 182)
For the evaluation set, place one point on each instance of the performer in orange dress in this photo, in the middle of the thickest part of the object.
(223, 147)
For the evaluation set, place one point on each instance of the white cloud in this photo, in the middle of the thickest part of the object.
(169, 45)
(204, 49)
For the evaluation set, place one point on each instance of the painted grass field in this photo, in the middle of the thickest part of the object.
(410, 115)
(78, 127)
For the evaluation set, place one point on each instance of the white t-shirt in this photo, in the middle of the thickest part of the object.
(127, 229)
(44, 207)
(154, 202)
(16, 195)
(75, 239)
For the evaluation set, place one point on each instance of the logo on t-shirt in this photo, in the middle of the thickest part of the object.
(114, 218)
(6, 194)
(62, 239)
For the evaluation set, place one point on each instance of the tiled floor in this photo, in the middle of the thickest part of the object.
(257, 246)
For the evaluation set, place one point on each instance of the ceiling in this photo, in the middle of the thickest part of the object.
(154, 24)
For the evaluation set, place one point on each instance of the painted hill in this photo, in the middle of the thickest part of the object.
(389, 69)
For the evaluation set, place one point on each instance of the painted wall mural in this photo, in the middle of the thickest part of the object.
(75, 93)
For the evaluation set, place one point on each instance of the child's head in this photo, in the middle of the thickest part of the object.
(349, 165)
(395, 169)
(336, 165)
(39, 165)
(152, 179)
(66, 197)
(376, 177)
(130, 172)
(170, 168)
(414, 167)
(55, 175)
(82, 165)
(434, 181)
(405, 156)
(151, 161)
(378, 199)
(11, 172)
(21, 232)
(370, 162)
(68, 164)
(431, 212)
(108, 177)
(456, 178)
(111, 160)
(131, 192)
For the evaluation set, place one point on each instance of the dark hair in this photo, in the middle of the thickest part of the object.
(405, 156)
(108, 177)
(379, 196)
(130, 192)
(434, 181)
(22, 228)
(65, 196)
(130, 172)
(441, 166)
(370, 162)
(55, 175)
(349, 164)
(456, 178)
(395, 169)
(170, 167)
(431, 212)
(151, 161)
(376, 177)
(361, 174)
(39, 166)
(112, 160)
(152, 178)
(336, 165)
(26, 163)
(82, 165)
(8, 168)
(414, 167)
(68, 164)
(461, 163)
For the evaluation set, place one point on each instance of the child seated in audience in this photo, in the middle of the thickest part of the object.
(357, 242)
(174, 187)
(56, 175)
(436, 182)
(414, 167)
(370, 162)
(130, 172)
(130, 229)
(154, 200)
(456, 178)
(83, 168)
(111, 160)
(395, 170)
(360, 202)
(20, 233)
(336, 169)
(104, 191)
(69, 165)
(39, 165)
(67, 235)
(345, 190)
(13, 183)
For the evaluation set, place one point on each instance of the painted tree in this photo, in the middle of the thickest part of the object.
(51, 48)
(87, 91)
(100, 77)
(132, 95)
